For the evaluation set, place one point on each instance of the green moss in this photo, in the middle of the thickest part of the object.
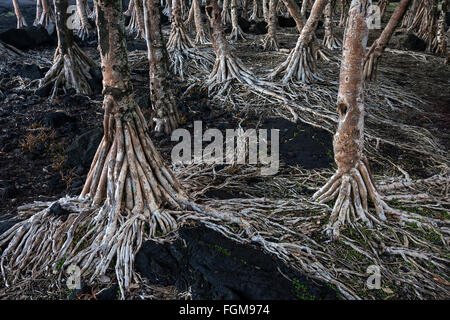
(301, 290)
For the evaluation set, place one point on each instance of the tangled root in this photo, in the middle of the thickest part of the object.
(237, 33)
(352, 190)
(71, 69)
(331, 42)
(270, 42)
(300, 65)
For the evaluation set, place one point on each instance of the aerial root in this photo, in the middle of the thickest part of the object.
(119, 208)
(332, 42)
(351, 191)
(270, 42)
(236, 33)
(72, 70)
(300, 65)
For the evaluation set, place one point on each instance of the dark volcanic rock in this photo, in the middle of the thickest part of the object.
(30, 71)
(259, 27)
(57, 210)
(412, 42)
(215, 267)
(56, 119)
(286, 22)
(82, 150)
(26, 38)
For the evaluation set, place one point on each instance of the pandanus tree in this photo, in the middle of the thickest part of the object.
(352, 184)
(136, 24)
(44, 13)
(301, 63)
(162, 98)
(271, 40)
(195, 17)
(330, 40)
(236, 31)
(20, 19)
(123, 199)
(82, 12)
(374, 54)
(72, 68)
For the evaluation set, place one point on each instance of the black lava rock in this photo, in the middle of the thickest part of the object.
(57, 210)
(286, 22)
(215, 267)
(413, 43)
(82, 150)
(26, 38)
(56, 119)
(30, 71)
(259, 27)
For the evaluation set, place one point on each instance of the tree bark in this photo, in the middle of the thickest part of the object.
(38, 12)
(352, 182)
(162, 97)
(71, 66)
(20, 19)
(294, 11)
(374, 54)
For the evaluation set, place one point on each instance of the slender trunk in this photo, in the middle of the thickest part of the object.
(374, 54)
(244, 13)
(441, 38)
(71, 66)
(255, 11)
(136, 24)
(304, 8)
(226, 17)
(271, 40)
(294, 11)
(330, 40)
(162, 98)
(20, 19)
(38, 12)
(200, 36)
(382, 4)
(344, 13)
(47, 15)
(86, 27)
(301, 62)
(130, 8)
(236, 31)
(352, 183)
(265, 5)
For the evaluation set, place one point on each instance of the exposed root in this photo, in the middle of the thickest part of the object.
(136, 24)
(7, 51)
(271, 42)
(331, 41)
(71, 70)
(300, 65)
(352, 190)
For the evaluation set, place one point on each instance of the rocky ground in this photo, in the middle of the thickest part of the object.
(46, 149)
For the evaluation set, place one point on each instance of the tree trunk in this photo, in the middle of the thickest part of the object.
(86, 27)
(47, 15)
(20, 19)
(244, 13)
(255, 11)
(236, 31)
(330, 40)
(374, 54)
(344, 13)
(352, 182)
(200, 36)
(383, 4)
(294, 11)
(71, 66)
(304, 8)
(301, 62)
(227, 66)
(161, 95)
(226, 17)
(441, 36)
(38, 12)
(136, 24)
(271, 40)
